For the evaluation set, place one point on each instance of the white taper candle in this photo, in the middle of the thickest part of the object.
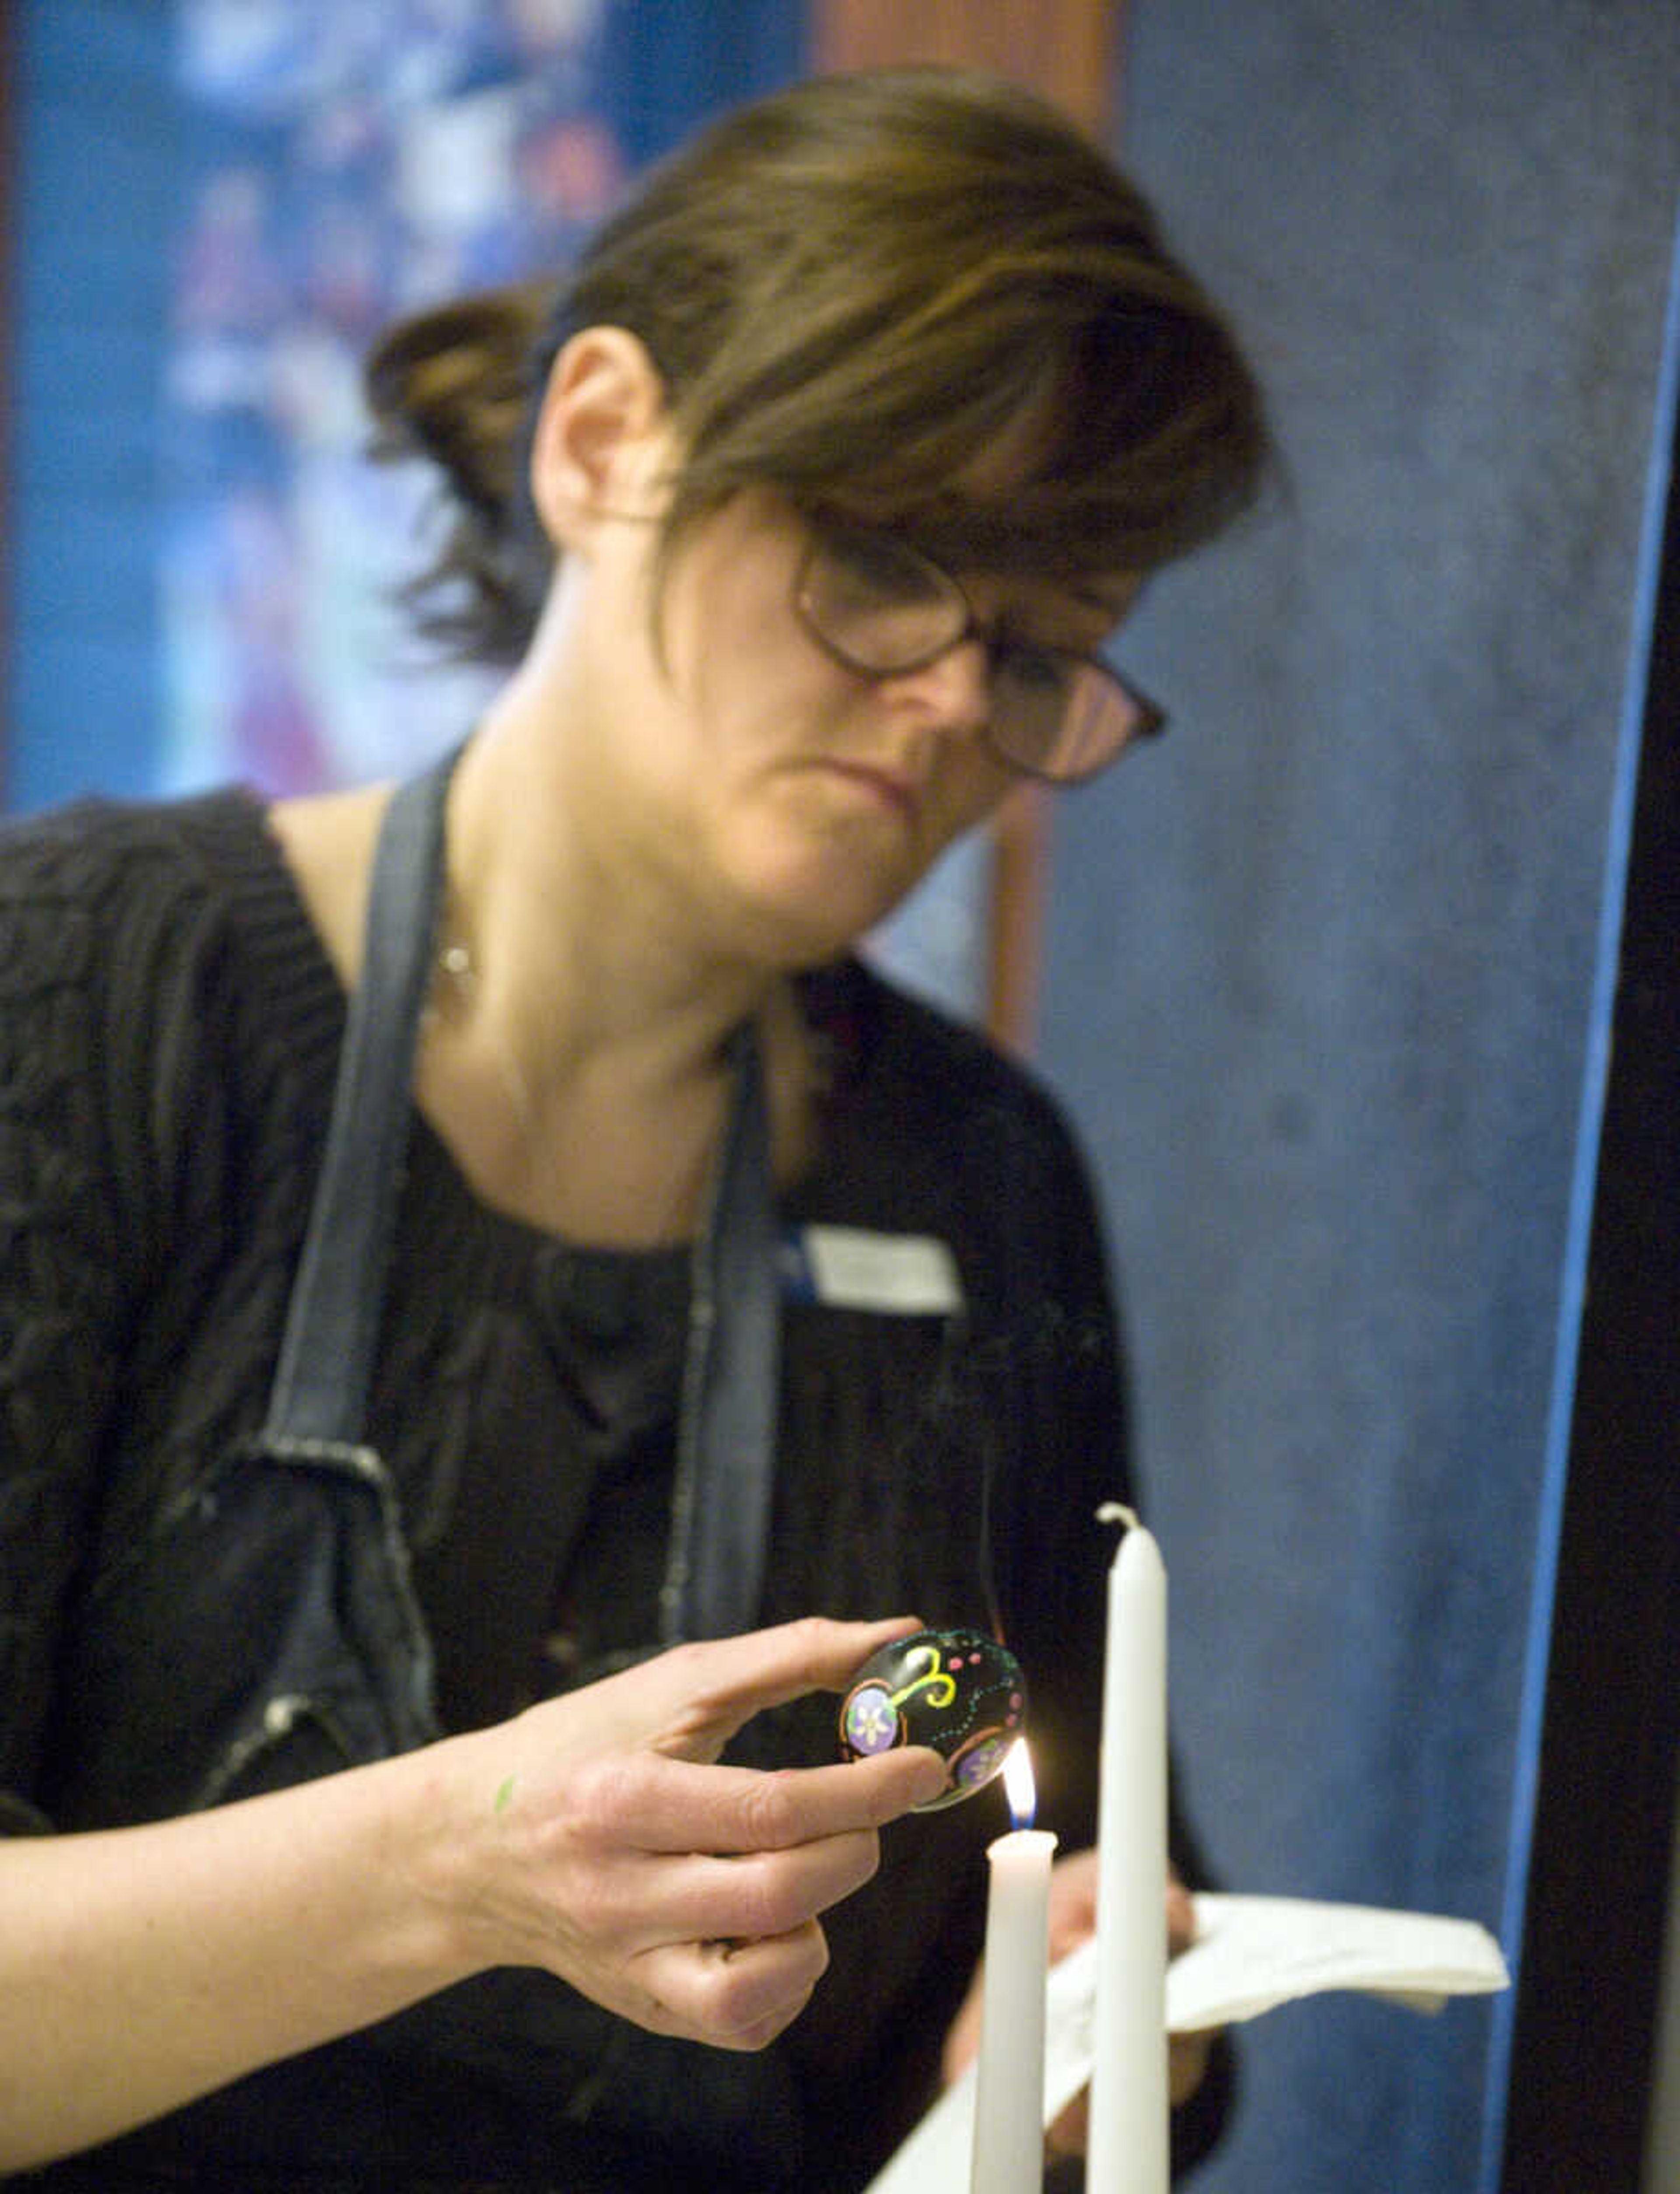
(1128, 2137)
(1009, 2089)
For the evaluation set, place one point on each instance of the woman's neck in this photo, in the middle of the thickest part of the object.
(575, 1055)
(588, 958)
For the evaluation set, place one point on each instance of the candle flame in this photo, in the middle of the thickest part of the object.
(1018, 1786)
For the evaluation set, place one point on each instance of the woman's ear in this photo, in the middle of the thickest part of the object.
(603, 437)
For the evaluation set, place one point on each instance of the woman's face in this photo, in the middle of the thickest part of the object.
(800, 799)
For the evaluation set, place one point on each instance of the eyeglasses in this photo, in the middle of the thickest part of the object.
(882, 609)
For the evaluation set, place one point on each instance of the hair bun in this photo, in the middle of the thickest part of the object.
(453, 385)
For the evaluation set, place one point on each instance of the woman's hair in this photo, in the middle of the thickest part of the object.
(851, 289)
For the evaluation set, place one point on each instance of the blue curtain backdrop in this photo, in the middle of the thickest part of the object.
(220, 204)
(1321, 973)
(94, 134)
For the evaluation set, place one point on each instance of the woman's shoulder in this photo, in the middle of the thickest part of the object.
(97, 861)
(158, 974)
(917, 1065)
(133, 899)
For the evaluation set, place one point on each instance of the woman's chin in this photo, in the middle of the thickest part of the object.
(808, 911)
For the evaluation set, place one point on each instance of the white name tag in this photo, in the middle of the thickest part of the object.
(849, 1269)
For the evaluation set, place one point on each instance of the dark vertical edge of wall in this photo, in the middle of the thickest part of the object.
(1581, 2030)
(7, 301)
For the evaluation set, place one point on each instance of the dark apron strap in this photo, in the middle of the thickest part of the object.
(320, 1390)
(726, 1430)
(726, 1433)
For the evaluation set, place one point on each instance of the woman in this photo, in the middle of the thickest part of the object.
(387, 1381)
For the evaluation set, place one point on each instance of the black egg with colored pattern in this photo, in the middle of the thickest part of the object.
(958, 1691)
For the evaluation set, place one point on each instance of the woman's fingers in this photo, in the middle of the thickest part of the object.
(1187, 2064)
(703, 1693)
(763, 1895)
(663, 1805)
(1073, 1903)
(689, 1701)
(1180, 1917)
(661, 1851)
(1070, 2134)
(734, 1995)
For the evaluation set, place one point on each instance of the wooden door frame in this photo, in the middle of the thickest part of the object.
(1069, 50)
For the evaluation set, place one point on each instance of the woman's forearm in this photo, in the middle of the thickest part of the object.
(142, 1967)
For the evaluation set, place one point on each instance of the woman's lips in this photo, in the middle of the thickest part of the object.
(889, 788)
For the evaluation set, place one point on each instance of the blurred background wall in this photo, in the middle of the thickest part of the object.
(1328, 981)
(1323, 982)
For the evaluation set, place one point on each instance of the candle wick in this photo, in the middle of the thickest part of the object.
(1116, 1512)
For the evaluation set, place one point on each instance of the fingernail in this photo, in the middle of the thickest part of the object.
(932, 1779)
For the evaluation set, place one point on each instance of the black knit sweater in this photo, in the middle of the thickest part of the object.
(168, 1030)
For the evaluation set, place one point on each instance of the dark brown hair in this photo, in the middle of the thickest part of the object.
(850, 290)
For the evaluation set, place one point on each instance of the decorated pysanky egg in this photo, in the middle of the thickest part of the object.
(956, 1690)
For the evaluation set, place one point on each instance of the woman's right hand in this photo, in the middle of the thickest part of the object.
(595, 1835)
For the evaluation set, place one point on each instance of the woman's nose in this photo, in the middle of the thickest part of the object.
(953, 691)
